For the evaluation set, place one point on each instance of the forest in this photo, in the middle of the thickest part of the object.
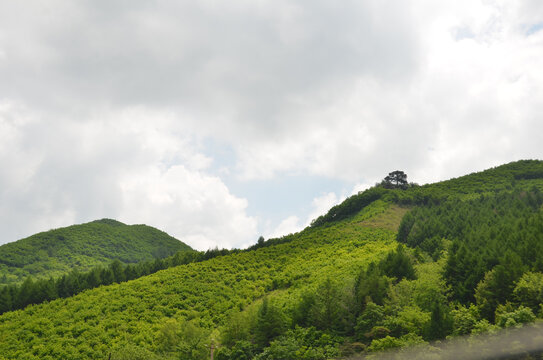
(390, 267)
(81, 247)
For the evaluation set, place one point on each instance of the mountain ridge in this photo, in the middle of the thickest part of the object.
(81, 247)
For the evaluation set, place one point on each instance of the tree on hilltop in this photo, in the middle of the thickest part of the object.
(395, 180)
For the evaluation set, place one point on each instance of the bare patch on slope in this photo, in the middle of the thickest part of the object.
(389, 219)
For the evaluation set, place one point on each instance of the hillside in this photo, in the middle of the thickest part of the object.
(81, 247)
(386, 268)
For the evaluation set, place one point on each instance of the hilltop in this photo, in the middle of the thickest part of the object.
(386, 268)
(82, 247)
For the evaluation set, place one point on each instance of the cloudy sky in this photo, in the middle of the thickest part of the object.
(220, 121)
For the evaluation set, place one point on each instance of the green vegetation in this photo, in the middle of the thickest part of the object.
(14, 297)
(146, 312)
(81, 247)
(387, 268)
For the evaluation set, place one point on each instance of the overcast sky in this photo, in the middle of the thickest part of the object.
(220, 121)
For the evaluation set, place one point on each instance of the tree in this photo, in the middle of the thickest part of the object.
(398, 264)
(529, 290)
(186, 338)
(372, 316)
(395, 180)
(270, 323)
(440, 322)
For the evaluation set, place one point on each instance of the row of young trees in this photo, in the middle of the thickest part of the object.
(13, 297)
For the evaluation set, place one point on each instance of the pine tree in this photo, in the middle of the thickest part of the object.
(270, 323)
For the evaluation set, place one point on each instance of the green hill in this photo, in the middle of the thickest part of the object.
(386, 268)
(81, 247)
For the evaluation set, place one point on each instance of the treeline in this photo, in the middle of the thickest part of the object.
(497, 242)
(14, 297)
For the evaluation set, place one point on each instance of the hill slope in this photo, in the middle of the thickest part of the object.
(91, 324)
(340, 287)
(81, 247)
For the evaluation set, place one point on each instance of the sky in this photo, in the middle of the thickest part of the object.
(221, 121)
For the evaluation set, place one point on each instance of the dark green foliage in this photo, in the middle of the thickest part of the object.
(372, 316)
(483, 231)
(327, 308)
(370, 285)
(302, 312)
(241, 350)
(395, 180)
(441, 322)
(81, 247)
(270, 323)
(398, 265)
(498, 284)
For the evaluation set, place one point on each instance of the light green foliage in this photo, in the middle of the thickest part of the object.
(422, 292)
(507, 316)
(302, 343)
(81, 247)
(391, 342)
(529, 290)
(132, 312)
(464, 319)
(184, 338)
(484, 326)
(239, 327)
(429, 287)
(131, 352)
(194, 342)
(409, 319)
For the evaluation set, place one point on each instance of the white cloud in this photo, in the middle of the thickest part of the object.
(292, 224)
(134, 165)
(99, 103)
(194, 207)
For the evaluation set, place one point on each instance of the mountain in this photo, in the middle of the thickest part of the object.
(81, 247)
(389, 267)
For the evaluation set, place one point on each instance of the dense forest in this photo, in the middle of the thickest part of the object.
(391, 267)
(81, 247)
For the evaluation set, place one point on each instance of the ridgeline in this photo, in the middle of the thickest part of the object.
(81, 247)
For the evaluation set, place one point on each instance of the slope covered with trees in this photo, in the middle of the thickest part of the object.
(151, 314)
(389, 267)
(81, 247)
